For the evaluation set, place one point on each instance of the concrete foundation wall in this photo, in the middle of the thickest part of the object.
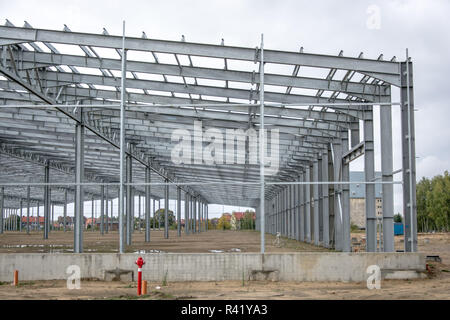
(209, 266)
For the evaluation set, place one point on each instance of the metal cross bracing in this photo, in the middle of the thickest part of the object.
(172, 84)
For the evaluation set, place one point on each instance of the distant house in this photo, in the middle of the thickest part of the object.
(227, 216)
(236, 219)
(358, 199)
(33, 221)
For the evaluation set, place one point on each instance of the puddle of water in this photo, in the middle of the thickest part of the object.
(34, 245)
(149, 251)
(234, 250)
(215, 251)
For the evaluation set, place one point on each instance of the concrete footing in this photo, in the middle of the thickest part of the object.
(305, 266)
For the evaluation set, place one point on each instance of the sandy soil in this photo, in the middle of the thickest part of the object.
(436, 286)
(245, 241)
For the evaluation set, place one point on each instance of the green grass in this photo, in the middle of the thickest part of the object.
(164, 282)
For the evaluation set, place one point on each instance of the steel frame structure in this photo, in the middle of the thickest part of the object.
(97, 115)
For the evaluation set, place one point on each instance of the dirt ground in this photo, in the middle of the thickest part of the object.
(436, 286)
(227, 241)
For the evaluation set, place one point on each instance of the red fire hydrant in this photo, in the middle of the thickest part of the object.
(140, 262)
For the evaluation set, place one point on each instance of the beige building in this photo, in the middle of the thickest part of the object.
(358, 201)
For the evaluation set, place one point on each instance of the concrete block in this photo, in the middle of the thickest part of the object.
(263, 275)
(119, 275)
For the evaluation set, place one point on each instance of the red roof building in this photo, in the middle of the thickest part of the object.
(33, 220)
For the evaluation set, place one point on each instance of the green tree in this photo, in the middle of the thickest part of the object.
(160, 216)
(433, 203)
(398, 217)
(223, 223)
(248, 221)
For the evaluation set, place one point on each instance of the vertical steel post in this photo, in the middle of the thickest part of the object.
(37, 214)
(147, 204)
(106, 209)
(386, 171)
(129, 197)
(52, 220)
(65, 210)
(296, 212)
(166, 210)
(326, 202)
(409, 155)
(346, 238)
(79, 189)
(320, 179)
(122, 144)
(369, 170)
(195, 214)
(308, 205)
(186, 213)
(291, 211)
(159, 215)
(207, 216)
(28, 209)
(46, 199)
(154, 215)
(139, 212)
(178, 211)
(316, 202)
(261, 145)
(337, 176)
(331, 197)
(20, 210)
(102, 209)
(301, 197)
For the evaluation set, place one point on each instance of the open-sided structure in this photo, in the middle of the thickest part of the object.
(73, 104)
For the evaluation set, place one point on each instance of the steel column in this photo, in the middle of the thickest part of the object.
(369, 171)
(409, 156)
(325, 202)
(166, 210)
(337, 162)
(122, 144)
(316, 202)
(308, 205)
(28, 210)
(106, 209)
(102, 209)
(261, 146)
(147, 204)
(179, 211)
(79, 190)
(386, 171)
(129, 197)
(46, 200)
(346, 238)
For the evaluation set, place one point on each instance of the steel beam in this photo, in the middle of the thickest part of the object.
(326, 201)
(408, 156)
(179, 211)
(47, 200)
(386, 171)
(337, 161)
(79, 189)
(308, 205)
(369, 173)
(129, 199)
(147, 204)
(346, 238)
(166, 211)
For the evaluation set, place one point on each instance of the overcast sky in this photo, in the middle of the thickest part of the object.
(318, 26)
